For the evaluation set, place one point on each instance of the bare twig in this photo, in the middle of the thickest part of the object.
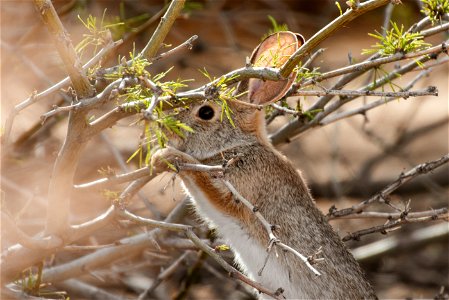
(387, 18)
(201, 168)
(116, 179)
(233, 273)
(27, 241)
(188, 44)
(153, 45)
(90, 103)
(127, 247)
(389, 226)
(87, 291)
(318, 37)
(65, 48)
(369, 64)
(363, 109)
(398, 242)
(285, 110)
(435, 30)
(268, 227)
(392, 216)
(162, 276)
(149, 222)
(299, 125)
(382, 195)
(312, 57)
(38, 96)
(431, 90)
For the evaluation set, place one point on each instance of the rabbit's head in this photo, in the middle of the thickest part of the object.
(213, 131)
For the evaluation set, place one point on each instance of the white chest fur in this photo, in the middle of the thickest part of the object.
(249, 253)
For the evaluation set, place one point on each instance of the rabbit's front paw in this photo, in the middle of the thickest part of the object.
(169, 158)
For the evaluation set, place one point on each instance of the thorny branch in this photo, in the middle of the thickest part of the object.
(318, 37)
(18, 257)
(268, 227)
(393, 225)
(382, 196)
(273, 240)
(35, 97)
(165, 24)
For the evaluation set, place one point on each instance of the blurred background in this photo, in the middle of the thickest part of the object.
(344, 163)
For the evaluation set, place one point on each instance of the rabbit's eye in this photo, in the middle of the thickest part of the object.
(206, 112)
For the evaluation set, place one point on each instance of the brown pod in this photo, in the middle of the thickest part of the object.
(273, 52)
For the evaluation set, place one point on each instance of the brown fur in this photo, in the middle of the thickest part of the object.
(269, 181)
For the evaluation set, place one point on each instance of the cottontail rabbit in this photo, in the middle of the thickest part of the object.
(270, 182)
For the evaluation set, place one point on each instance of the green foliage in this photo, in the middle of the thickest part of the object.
(222, 93)
(190, 6)
(383, 74)
(222, 247)
(138, 94)
(110, 195)
(98, 34)
(31, 284)
(339, 7)
(312, 113)
(435, 9)
(123, 25)
(305, 73)
(276, 27)
(395, 41)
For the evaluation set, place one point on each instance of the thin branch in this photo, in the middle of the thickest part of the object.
(158, 37)
(116, 179)
(90, 103)
(384, 246)
(393, 226)
(268, 227)
(127, 247)
(369, 64)
(162, 276)
(87, 291)
(285, 110)
(299, 125)
(79, 248)
(200, 168)
(22, 238)
(38, 96)
(312, 57)
(233, 273)
(429, 91)
(149, 222)
(325, 32)
(65, 48)
(382, 195)
(435, 30)
(128, 109)
(387, 18)
(363, 109)
(87, 228)
(392, 216)
(188, 44)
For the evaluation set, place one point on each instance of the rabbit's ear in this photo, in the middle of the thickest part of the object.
(274, 51)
